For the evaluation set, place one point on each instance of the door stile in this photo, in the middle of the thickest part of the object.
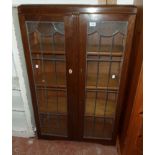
(72, 74)
(82, 72)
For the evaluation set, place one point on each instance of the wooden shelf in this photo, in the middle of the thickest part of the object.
(47, 48)
(93, 50)
(51, 87)
(88, 88)
(48, 81)
(93, 88)
(116, 54)
(50, 106)
(105, 48)
(49, 53)
(51, 59)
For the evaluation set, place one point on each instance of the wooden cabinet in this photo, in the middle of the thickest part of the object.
(77, 60)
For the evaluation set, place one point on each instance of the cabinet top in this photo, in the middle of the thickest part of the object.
(75, 9)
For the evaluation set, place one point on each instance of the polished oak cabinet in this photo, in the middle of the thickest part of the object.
(77, 60)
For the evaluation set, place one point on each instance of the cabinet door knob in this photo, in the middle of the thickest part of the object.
(113, 76)
(36, 66)
(70, 71)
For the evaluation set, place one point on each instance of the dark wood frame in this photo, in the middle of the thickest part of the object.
(72, 14)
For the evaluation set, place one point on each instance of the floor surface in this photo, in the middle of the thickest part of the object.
(33, 146)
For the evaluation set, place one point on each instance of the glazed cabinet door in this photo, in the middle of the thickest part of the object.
(105, 42)
(47, 41)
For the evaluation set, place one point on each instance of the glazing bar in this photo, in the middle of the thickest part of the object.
(55, 89)
(111, 118)
(53, 114)
(53, 48)
(104, 90)
(86, 81)
(97, 78)
(105, 60)
(43, 71)
(109, 73)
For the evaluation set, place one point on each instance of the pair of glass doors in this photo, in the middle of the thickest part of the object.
(96, 47)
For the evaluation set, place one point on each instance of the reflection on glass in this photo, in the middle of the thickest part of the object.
(105, 51)
(47, 49)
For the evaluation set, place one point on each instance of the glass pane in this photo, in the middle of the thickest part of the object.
(102, 73)
(100, 104)
(102, 128)
(50, 124)
(106, 36)
(104, 57)
(54, 72)
(52, 101)
(47, 49)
